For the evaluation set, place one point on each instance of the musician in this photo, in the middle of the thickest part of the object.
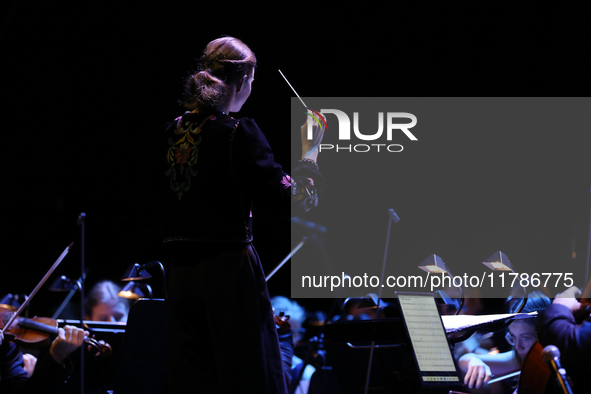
(558, 326)
(288, 340)
(208, 170)
(103, 303)
(50, 372)
(521, 334)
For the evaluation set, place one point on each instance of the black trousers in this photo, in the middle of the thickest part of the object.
(222, 336)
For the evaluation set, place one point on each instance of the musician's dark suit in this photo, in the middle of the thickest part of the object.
(49, 376)
(557, 326)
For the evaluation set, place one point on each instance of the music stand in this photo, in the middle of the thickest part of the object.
(436, 366)
(143, 367)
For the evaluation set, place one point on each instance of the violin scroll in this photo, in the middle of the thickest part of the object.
(282, 321)
(102, 349)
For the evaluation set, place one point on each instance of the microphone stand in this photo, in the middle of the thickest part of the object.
(551, 355)
(392, 217)
(81, 222)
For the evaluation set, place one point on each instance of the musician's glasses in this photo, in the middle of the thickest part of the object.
(526, 340)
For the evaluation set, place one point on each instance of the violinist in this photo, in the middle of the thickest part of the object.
(288, 339)
(49, 373)
(209, 169)
(102, 304)
(558, 326)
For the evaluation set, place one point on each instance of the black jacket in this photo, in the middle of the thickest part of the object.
(208, 170)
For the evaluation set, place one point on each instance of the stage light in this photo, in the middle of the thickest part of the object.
(138, 272)
(135, 291)
(500, 262)
(435, 265)
(64, 283)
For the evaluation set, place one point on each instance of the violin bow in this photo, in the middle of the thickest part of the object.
(27, 300)
(286, 259)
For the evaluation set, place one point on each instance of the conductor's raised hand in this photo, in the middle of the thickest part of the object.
(310, 143)
(68, 340)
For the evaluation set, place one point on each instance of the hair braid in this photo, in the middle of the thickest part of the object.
(224, 62)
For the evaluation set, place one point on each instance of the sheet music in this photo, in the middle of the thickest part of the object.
(427, 334)
(455, 323)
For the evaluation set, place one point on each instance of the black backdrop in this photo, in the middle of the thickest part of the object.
(84, 83)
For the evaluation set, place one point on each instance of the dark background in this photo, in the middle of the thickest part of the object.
(486, 174)
(84, 84)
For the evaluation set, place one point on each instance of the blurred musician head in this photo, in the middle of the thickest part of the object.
(103, 304)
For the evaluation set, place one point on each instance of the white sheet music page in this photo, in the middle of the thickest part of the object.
(455, 323)
(427, 334)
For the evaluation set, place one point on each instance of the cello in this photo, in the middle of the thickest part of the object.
(535, 373)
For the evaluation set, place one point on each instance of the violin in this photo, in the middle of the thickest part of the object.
(39, 332)
(282, 321)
